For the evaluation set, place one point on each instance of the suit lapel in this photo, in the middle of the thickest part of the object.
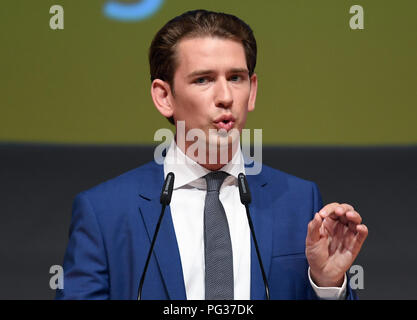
(262, 222)
(166, 248)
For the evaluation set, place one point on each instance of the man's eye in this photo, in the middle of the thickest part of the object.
(201, 80)
(235, 78)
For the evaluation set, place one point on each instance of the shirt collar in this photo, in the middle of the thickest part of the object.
(187, 171)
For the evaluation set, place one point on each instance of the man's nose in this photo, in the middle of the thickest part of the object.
(224, 96)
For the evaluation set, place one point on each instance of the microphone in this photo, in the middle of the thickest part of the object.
(165, 200)
(245, 198)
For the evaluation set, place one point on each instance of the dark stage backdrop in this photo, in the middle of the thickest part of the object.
(38, 184)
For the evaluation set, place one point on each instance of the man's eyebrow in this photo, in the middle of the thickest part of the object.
(239, 70)
(205, 72)
(199, 73)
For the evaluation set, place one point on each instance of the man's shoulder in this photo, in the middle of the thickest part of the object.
(123, 185)
(275, 176)
(296, 197)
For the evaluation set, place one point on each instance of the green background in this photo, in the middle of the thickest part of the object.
(321, 83)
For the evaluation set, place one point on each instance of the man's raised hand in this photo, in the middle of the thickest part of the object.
(334, 239)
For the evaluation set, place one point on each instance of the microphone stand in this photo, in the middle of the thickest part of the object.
(245, 198)
(165, 200)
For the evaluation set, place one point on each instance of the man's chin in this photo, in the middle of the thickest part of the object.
(223, 139)
(213, 147)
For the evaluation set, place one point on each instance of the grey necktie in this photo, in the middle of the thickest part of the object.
(217, 243)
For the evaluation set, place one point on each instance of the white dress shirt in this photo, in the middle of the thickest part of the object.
(187, 211)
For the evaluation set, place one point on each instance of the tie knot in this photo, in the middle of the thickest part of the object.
(214, 180)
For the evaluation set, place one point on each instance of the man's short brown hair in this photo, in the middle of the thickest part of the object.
(191, 24)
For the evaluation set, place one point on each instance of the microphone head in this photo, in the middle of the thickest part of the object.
(245, 196)
(166, 193)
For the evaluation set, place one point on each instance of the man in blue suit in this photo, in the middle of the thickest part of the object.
(202, 70)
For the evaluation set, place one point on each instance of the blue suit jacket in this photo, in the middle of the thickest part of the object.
(113, 224)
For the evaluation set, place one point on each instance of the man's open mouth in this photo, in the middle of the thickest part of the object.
(225, 122)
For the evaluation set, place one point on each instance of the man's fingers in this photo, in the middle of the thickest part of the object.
(345, 213)
(347, 207)
(352, 227)
(334, 211)
(339, 214)
(354, 217)
(328, 209)
(331, 225)
(313, 232)
(362, 233)
(335, 207)
(346, 217)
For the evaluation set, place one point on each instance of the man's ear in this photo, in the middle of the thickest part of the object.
(161, 94)
(253, 91)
